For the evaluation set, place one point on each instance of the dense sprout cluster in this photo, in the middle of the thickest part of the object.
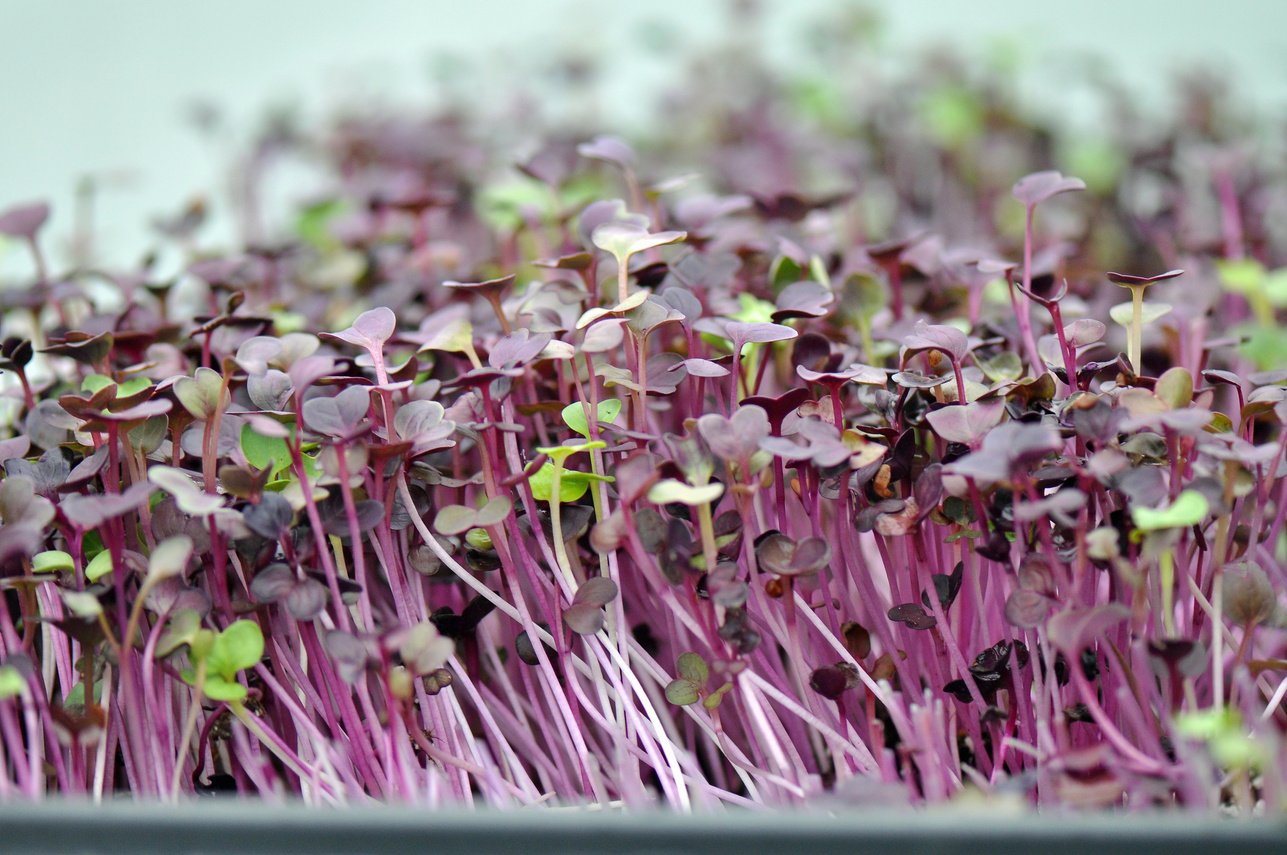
(841, 470)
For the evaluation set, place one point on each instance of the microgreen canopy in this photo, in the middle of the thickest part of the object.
(478, 486)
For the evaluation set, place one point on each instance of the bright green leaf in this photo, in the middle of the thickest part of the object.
(94, 383)
(563, 452)
(1241, 275)
(266, 451)
(1189, 508)
(239, 646)
(478, 538)
(132, 386)
(572, 485)
(574, 415)
(219, 689)
(1265, 345)
(99, 566)
(784, 271)
(51, 561)
(713, 700)
(11, 683)
(754, 310)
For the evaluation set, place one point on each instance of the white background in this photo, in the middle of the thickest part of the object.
(102, 85)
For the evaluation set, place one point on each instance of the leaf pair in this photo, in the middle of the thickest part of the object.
(456, 519)
(586, 615)
(238, 647)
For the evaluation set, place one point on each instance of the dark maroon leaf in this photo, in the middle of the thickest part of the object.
(584, 618)
(913, 615)
(272, 583)
(598, 591)
(270, 518)
(946, 587)
(1128, 280)
(829, 681)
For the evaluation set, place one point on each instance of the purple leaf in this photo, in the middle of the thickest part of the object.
(597, 591)
(698, 211)
(272, 583)
(24, 221)
(270, 390)
(89, 512)
(306, 599)
(15, 448)
(47, 474)
(917, 380)
(782, 556)
(609, 148)
(1084, 331)
(1006, 449)
(804, 299)
(1026, 609)
(584, 618)
(941, 337)
(338, 416)
(1036, 188)
(1074, 629)
(308, 371)
(966, 424)
(371, 329)
(270, 518)
(597, 214)
(864, 375)
(1061, 506)
(704, 368)
(254, 354)
(735, 440)
(761, 333)
(518, 348)
(683, 302)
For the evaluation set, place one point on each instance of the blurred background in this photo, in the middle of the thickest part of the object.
(154, 100)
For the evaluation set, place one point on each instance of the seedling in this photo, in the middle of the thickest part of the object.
(1139, 313)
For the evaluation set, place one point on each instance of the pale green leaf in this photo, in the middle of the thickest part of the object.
(671, 490)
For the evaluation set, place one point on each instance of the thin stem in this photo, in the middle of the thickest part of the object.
(1135, 334)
